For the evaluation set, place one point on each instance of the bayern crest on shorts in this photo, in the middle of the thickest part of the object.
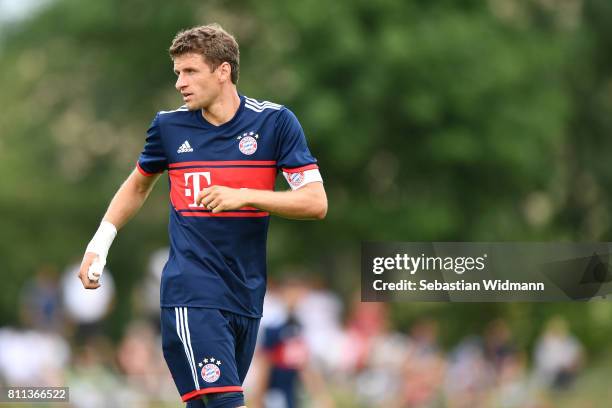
(211, 370)
(248, 143)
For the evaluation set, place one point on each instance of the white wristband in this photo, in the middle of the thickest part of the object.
(100, 244)
(102, 240)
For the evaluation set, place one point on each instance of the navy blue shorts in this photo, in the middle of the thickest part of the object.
(208, 351)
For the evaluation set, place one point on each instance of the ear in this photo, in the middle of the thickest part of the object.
(225, 72)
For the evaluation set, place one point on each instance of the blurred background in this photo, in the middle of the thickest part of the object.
(445, 120)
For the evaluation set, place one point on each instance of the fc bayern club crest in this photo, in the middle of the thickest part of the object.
(211, 369)
(248, 143)
(296, 179)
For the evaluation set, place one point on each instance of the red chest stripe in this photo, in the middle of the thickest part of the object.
(186, 183)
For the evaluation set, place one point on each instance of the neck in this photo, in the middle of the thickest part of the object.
(223, 109)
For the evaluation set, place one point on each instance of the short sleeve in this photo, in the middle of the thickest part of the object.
(153, 159)
(294, 159)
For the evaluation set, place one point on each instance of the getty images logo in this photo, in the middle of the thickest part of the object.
(194, 179)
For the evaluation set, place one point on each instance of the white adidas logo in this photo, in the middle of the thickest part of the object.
(185, 148)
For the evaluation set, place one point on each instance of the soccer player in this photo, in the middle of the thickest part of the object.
(222, 151)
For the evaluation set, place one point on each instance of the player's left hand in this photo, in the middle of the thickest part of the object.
(220, 198)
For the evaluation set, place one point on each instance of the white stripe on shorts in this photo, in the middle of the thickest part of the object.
(180, 330)
(195, 370)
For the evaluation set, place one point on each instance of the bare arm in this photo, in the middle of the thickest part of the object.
(308, 202)
(125, 204)
(129, 198)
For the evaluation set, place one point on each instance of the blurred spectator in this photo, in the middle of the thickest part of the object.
(40, 302)
(366, 321)
(275, 310)
(274, 314)
(424, 367)
(499, 346)
(29, 358)
(93, 382)
(558, 355)
(37, 354)
(141, 361)
(146, 296)
(513, 390)
(283, 362)
(469, 377)
(86, 308)
(319, 312)
(424, 337)
(375, 353)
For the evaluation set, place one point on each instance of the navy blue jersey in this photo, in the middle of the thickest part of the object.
(219, 260)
